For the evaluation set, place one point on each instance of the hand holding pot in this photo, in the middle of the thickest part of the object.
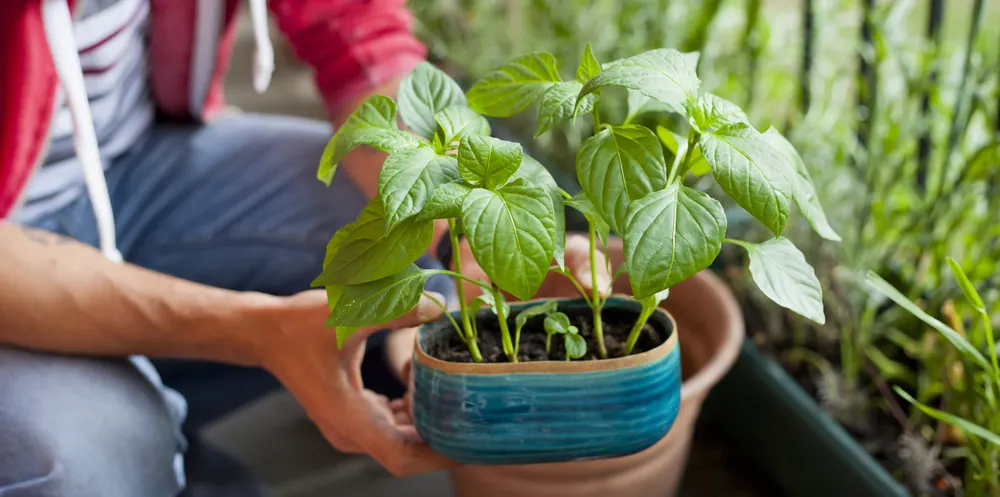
(326, 381)
(555, 285)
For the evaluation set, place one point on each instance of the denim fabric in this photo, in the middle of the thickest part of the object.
(235, 204)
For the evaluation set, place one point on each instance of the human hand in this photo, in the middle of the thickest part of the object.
(555, 284)
(326, 381)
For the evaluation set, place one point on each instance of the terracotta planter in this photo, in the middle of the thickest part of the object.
(710, 333)
(547, 411)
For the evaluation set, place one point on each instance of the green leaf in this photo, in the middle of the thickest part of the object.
(446, 202)
(522, 318)
(511, 232)
(617, 166)
(750, 171)
(333, 294)
(557, 322)
(379, 301)
(664, 74)
(456, 122)
(515, 86)
(967, 287)
(576, 346)
(584, 206)
(424, 93)
(487, 299)
(964, 425)
(804, 193)
(488, 162)
(559, 105)
(372, 124)
(878, 284)
(589, 66)
(670, 235)
(334, 245)
(369, 252)
(782, 273)
(711, 112)
(408, 179)
(534, 172)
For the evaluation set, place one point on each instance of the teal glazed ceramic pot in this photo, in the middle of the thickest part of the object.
(548, 411)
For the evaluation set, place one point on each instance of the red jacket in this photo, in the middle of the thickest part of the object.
(352, 45)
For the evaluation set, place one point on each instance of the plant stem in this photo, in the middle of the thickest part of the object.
(682, 168)
(597, 118)
(469, 334)
(447, 314)
(574, 281)
(548, 343)
(508, 346)
(633, 336)
(596, 305)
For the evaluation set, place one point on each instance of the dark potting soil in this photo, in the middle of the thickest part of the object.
(615, 323)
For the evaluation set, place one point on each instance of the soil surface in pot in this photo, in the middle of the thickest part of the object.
(616, 324)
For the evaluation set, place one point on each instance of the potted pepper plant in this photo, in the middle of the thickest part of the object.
(546, 381)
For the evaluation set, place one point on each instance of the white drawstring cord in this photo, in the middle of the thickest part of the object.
(263, 54)
(59, 31)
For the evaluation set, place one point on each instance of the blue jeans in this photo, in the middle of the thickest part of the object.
(234, 204)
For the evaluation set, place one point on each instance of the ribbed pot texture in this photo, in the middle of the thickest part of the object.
(548, 411)
(710, 330)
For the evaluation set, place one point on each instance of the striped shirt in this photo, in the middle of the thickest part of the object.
(111, 39)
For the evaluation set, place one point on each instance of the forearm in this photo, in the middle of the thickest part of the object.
(61, 296)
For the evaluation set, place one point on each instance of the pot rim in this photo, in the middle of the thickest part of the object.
(552, 367)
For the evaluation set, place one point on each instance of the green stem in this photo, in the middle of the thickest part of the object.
(447, 314)
(991, 342)
(597, 118)
(574, 281)
(548, 343)
(633, 336)
(469, 334)
(596, 305)
(682, 168)
(508, 346)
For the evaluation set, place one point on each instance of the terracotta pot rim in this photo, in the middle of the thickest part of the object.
(725, 355)
(554, 367)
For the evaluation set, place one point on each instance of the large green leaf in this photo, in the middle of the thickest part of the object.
(878, 284)
(511, 231)
(369, 252)
(751, 171)
(446, 202)
(379, 301)
(408, 179)
(488, 162)
(782, 273)
(534, 172)
(456, 122)
(663, 74)
(960, 423)
(617, 166)
(372, 124)
(711, 112)
(559, 105)
(589, 66)
(424, 93)
(804, 192)
(515, 86)
(670, 235)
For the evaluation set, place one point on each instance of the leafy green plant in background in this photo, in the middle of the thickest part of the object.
(970, 400)
(512, 214)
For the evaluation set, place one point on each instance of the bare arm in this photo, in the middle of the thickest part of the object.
(58, 295)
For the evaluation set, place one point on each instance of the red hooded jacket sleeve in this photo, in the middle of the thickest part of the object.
(353, 45)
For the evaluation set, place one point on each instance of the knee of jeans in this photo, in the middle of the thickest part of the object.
(62, 436)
